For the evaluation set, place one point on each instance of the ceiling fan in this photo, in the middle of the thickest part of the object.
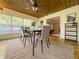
(34, 5)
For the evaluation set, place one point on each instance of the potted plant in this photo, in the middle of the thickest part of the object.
(33, 24)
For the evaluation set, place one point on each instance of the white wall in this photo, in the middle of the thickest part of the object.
(63, 18)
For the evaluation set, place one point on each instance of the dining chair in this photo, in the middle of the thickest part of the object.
(44, 36)
(22, 34)
(25, 34)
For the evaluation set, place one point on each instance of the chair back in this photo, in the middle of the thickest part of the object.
(22, 30)
(45, 32)
(27, 28)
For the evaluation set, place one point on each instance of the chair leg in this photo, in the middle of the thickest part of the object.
(47, 43)
(42, 46)
(31, 39)
(20, 37)
(36, 42)
(24, 42)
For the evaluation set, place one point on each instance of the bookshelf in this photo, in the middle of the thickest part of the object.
(71, 32)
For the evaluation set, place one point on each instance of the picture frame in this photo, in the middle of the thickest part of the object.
(41, 22)
(71, 17)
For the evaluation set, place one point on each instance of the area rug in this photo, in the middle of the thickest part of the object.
(15, 50)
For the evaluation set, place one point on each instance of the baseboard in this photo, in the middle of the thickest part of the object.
(56, 34)
(9, 36)
(69, 40)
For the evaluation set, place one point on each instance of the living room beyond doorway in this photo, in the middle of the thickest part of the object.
(54, 24)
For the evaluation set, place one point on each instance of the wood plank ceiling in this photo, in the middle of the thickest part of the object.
(45, 7)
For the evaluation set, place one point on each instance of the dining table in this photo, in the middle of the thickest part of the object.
(34, 34)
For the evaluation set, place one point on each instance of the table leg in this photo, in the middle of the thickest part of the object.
(33, 42)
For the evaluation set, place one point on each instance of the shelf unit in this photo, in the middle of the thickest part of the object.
(71, 32)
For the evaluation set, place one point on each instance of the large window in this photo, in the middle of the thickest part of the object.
(17, 22)
(27, 22)
(5, 23)
(5, 19)
(9, 24)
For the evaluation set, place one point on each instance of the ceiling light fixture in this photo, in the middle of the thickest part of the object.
(35, 6)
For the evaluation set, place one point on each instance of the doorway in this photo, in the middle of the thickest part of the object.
(55, 25)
